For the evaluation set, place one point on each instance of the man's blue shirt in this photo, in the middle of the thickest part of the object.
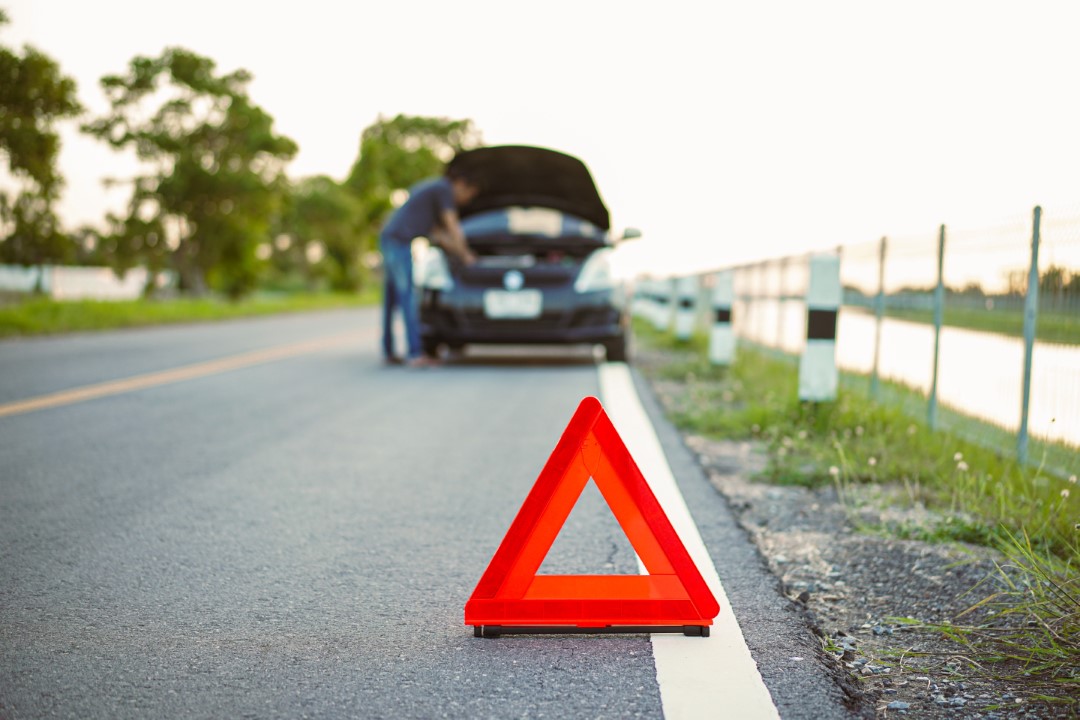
(422, 211)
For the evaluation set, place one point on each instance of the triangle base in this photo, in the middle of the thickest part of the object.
(494, 631)
(583, 612)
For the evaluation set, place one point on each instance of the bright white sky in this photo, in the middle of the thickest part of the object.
(727, 131)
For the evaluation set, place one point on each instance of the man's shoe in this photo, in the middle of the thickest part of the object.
(393, 360)
(423, 361)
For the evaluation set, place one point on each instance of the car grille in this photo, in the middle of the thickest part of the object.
(535, 277)
(544, 323)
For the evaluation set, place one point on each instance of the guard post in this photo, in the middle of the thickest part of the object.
(722, 334)
(686, 289)
(664, 301)
(818, 377)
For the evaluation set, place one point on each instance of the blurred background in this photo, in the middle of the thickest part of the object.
(234, 151)
(726, 132)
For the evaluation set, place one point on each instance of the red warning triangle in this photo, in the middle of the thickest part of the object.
(510, 592)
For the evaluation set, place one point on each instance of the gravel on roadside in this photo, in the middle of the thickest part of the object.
(866, 595)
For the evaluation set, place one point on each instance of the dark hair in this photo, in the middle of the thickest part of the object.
(454, 173)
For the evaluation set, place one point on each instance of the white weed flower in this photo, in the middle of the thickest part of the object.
(962, 466)
(872, 461)
(958, 457)
(1072, 479)
(834, 471)
(1065, 493)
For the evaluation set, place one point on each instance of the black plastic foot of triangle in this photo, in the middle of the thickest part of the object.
(494, 631)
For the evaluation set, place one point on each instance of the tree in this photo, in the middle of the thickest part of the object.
(215, 169)
(34, 96)
(323, 221)
(394, 154)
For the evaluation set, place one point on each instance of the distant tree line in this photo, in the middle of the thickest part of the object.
(212, 202)
(1055, 282)
(1059, 288)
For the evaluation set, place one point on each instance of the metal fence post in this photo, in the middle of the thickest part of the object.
(939, 316)
(757, 299)
(1031, 312)
(781, 299)
(879, 314)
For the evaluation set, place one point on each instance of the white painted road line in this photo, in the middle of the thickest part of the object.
(698, 677)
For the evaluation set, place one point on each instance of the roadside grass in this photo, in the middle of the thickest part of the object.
(43, 316)
(965, 492)
(1025, 629)
(982, 491)
(1028, 629)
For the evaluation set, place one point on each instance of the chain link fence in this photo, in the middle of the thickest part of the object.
(973, 329)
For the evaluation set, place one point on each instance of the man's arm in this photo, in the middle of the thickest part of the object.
(450, 236)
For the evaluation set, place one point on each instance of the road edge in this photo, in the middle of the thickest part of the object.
(789, 656)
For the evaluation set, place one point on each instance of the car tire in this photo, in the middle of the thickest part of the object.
(616, 349)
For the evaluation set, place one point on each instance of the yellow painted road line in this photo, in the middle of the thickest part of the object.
(165, 377)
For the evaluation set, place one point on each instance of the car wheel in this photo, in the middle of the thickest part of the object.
(616, 349)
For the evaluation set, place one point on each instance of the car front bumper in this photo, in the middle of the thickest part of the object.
(567, 317)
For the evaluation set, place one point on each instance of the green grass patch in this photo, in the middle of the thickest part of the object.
(1025, 626)
(983, 492)
(41, 316)
(1053, 327)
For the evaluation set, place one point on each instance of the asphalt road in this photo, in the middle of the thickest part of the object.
(298, 538)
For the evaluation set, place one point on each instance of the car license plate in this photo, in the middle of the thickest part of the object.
(519, 304)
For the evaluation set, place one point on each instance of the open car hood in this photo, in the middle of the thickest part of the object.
(518, 175)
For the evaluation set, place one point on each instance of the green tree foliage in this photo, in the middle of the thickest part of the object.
(396, 153)
(34, 96)
(1055, 281)
(322, 227)
(1058, 280)
(215, 170)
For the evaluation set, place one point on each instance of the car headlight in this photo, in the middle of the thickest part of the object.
(431, 270)
(596, 273)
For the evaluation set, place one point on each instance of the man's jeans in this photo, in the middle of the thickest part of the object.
(398, 294)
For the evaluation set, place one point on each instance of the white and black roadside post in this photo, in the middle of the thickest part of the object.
(818, 377)
(665, 299)
(686, 290)
(643, 300)
(722, 335)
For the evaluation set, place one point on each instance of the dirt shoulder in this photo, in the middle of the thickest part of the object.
(864, 594)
